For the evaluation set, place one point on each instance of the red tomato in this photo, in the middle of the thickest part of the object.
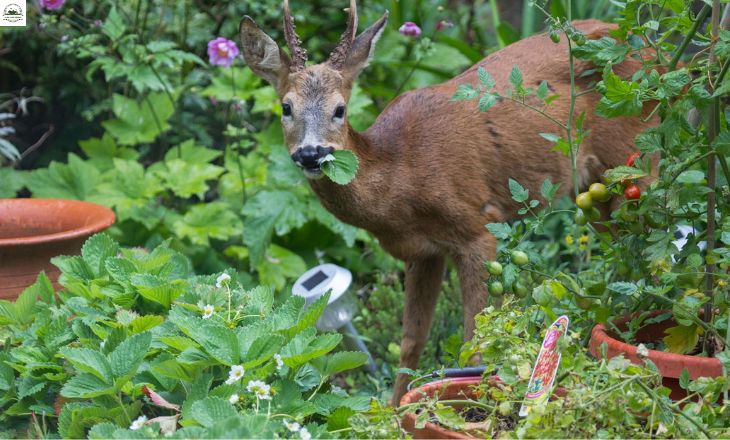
(632, 192)
(631, 161)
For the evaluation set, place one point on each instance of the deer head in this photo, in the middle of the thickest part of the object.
(313, 98)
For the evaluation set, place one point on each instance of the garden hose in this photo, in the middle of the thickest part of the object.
(450, 372)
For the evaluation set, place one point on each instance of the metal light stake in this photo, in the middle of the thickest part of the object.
(341, 306)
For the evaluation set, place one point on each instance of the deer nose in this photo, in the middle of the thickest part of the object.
(309, 155)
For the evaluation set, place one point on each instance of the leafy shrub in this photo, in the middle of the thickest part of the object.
(134, 339)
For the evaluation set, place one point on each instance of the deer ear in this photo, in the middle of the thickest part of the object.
(262, 54)
(362, 49)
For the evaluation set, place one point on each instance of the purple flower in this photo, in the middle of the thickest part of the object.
(222, 52)
(52, 5)
(98, 23)
(410, 29)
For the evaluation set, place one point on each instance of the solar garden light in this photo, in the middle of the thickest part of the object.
(341, 306)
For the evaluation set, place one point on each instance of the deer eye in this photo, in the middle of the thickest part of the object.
(286, 109)
(340, 111)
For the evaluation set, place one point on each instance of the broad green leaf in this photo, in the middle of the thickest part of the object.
(684, 378)
(219, 342)
(143, 323)
(602, 51)
(77, 417)
(73, 269)
(306, 346)
(548, 189)
(208, 220)
(89, 361)
(308, 317)
(465, 92)
(212, 410)
(96, 250)
(519, 193)
(267, 211)
(113, 26)
(515, 77)
(85, 386)
(343, 361)
(501, 231)
(341, 166)
(157, 289)
(261, 350)
(11, 181)
(682, 339)
(620, 98)
(127, 357)
(623, 288)
(76, 180)
(487, 101)
(142, 122)
(623, 173)
(278, 266)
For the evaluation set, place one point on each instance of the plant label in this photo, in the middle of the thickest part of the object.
(546, 367)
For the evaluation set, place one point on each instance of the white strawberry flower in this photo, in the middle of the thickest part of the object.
(236, 374)
(304, 434)
(292, 426)
(138, 423)
(234, 399)
(222, 280)
(279, 362)
(260, 389)
(208, 311)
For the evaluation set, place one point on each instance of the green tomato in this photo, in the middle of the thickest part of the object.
(584, 201)
(580, 217)
(496, 288)
(495, 268)
(519, 258)
(519, 289)
(555, 36)
(598, 191)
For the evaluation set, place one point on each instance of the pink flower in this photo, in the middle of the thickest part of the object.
(52, 5)
(410, 29)
(222, 52)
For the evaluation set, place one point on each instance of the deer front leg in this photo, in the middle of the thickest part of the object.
(472, 277)
(423, 285)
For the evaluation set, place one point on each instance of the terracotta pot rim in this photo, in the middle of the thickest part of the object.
(417, 394)
(102, 219)
(661, 359)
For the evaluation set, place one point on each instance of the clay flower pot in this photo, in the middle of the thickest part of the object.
(447, 389)
(32, 231)
(670, 365)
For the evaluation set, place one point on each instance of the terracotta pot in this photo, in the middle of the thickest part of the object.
(32, 231)
(447, 389)
(670, 365)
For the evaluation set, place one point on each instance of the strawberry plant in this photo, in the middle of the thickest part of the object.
(135, 344)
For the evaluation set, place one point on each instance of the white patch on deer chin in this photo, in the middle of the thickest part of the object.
(313, 174)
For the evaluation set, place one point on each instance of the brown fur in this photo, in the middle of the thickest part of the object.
(433, 172)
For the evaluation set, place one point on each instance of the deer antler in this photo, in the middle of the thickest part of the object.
(338, 56)
(298, 55)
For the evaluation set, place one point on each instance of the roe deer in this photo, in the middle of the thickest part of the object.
(433, 172)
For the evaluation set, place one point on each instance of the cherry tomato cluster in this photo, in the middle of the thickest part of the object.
(495, 269)
(598, 192)
(631, 190)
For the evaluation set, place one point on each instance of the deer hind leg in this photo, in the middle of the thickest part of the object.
(423, 285)
(472, 276)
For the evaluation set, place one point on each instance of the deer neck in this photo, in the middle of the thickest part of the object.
(355, 202)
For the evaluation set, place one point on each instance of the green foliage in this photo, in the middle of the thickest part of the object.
(108, 348)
